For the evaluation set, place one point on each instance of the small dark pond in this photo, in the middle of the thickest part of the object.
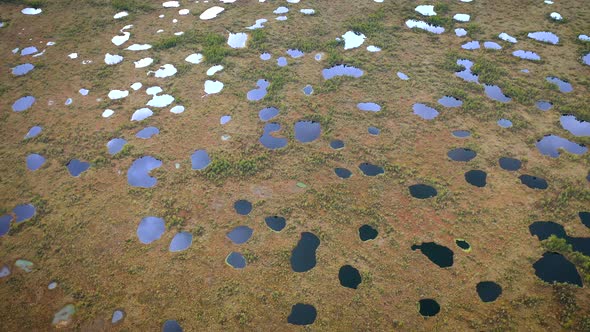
(302, 314)
(171, 326)
(77, 167)
(303, 256)
(428, 307)
(510, 164)
(243, 207)
(533, 182)
(240, 234)
(373, 131)
(337, 144)
(342, 173)
(476, 178)
(275, 223)
(138, 174)
(488, 291)
(461, 133)
(461, 154)
(554, 267)
(370, 169)
(367, 232)
(463, 244)
(349, 277)
(439, 255)
(422, 191)
(585, 218)
(5, 221)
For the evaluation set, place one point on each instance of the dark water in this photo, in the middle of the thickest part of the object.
(510, 164)
(307, 131)
(563, 86)
(115, 145)
(533, 182)
(422, 191)
(23, 103)
(275, 223)
(236, 260)
(464, 245)
(268, 140)
(439, 255)
(150, 229)
(370, 169)
(544, 229)
(240, 234)
(200, 160)
(461, 154)
(374, 131)
(24, 212)
(488, 291)
(476, 178)
(77, 167)
(428, 307)
(147, 132)
(138, 174)
(337, 144)
(171, 326)
(342, 173)
(341, 70)
(349, 277)
(302, 314)
(554, 267)
(303, 256)
(367, 232)
(243, 207)
(585, 218)
(35, 161)
(282, 61)
(181, 241)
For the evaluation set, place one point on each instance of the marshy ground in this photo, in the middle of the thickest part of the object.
(84, 232)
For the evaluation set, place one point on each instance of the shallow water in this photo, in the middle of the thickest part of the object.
(494, 92)
(171, 325)
(461, 133)
(243, 207)
(424, 26)
(374, 131)
(24, 212)
(23, 103)
(237, 40)
(337, 144)
(268, 140)
(342, 173)
(450, 102)
(35, 161)
(461, 154)
(472, 45)
(527, 55)
(544, 36)
(268, 113)
(147, 132)
(5, 221)
(260, 92)
(308, 90)
(504, 123)
(181, 241)
(544, 105)
(22, 69)
(369, 107)
(353, 39)
(509, 164)
(294, 53)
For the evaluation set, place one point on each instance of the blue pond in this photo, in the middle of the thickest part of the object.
(77, 167)
(495, 93)
(308, 90)
(336, 144)
(115, 145)
(374, 131)
(369, 107)
(275, 223)
(461, 133)
(504, 123)
(425, 112)
(243, 207)
(34, 131)
(268, 140)
(150, 229)
(171, 326)
(23, 103)
(282, 61)
(573, 125)
(544, 105)
(509, 164)
(295, 53)
(466, 74)
(147, 132)
(551, 144)
(461, 154)
(533, 182)
(5, 221)
(236, 260)
(562, 85)
(342, 173)
(240, 234)
(22, 69)
(341, 70)
(265, 56)
(526, 55)
(181, 241)
(476, 178)
(450, 102)
(260, 92)
(35, 161)
(138, 174)
(422, 191)
(303, 256)
(24, 212)
(307, 131)
(268, 113)
(200, 160)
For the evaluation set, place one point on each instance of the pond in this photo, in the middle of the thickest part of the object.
(171, 326)
(240, 234)
(147, 132)
(349, 277)
(436, 253)
(562, 85)
(268, 140)
(424, 26)
(367, 232)
(33, 132)
(461, 133)
(476, 178)
(275, 223)
(544, 105)
(235, 260)
(544, 36)
(307, 131)
(260, 92)
(494, 92)
(150, 229)
(368, 107)
(24, 212)
(369, 169)
(23, 103)
(303, 256)
(342, 173)
(268, 113)
(533, 182)
(200, 160)
(554, 267)
(488, 291)
(341, 70)
(115, 145)
(550, 145)
(77, 167)
(463, 245)
(428, 307)
(576, 127)
(243, 207)
(181, 241)
(22, 69)
(461, 154)
(138, 174)
(509, 164)
(450, 102)
(425, 112)
(337, 144)
(35, 161)
(422, 191)
(526, 55)
(302, 314)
